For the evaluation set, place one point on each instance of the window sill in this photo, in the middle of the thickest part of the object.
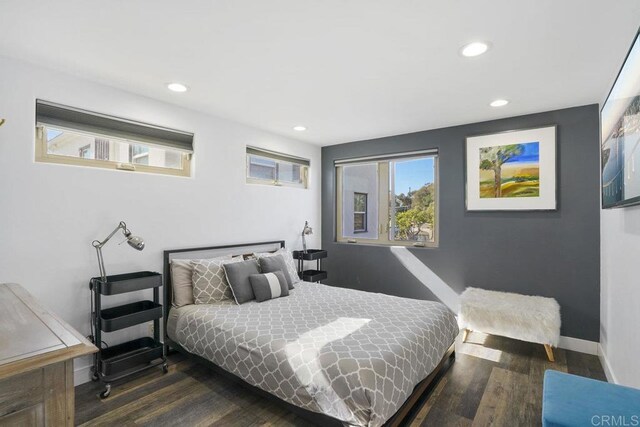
(389, 245)
(269, 183)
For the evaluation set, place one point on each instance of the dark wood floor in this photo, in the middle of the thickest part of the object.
(494, 381)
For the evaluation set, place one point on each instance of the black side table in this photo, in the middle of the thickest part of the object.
(310, 255)
(122, 360)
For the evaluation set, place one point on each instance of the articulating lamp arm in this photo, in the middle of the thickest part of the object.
(99, 244)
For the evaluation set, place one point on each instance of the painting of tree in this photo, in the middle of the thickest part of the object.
(492, 158)
(505, 167)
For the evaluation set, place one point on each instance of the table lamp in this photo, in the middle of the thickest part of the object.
(305, 232)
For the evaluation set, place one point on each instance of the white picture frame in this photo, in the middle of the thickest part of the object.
(529, 152)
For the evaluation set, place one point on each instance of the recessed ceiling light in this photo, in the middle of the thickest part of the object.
(177, 87)
(474, 49)
(300, 128)
(499, 103)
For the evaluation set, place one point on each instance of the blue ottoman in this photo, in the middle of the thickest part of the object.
(570, 400)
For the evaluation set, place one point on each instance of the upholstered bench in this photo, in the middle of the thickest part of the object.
(522, 317)
(570, 400)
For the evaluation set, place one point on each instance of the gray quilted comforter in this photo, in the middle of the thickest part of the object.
(355, 356)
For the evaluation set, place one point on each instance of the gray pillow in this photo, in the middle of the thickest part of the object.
(209, 280)
(238, 278)
(271, 264)
(288, 259)
(182, 280)
(269, 285)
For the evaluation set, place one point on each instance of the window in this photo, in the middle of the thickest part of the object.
(271, 168)
(359, 212)
(388, 200)
(76, 137)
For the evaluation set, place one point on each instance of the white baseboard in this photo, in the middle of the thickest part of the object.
(581, 346)
(81, 375)
(606, 366)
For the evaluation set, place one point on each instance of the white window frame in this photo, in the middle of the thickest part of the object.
(279, 158)
(384, 193)
(43, 156)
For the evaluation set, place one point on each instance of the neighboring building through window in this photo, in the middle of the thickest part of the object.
(102, 149)
(139, 154)
(388, 199)
(85, 152)
(70, 136)
(272, 168)
(359, 212)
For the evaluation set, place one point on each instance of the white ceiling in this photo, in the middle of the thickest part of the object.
(346, 69)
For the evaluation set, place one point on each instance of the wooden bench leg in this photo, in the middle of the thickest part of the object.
(549, 351)
(465, 334)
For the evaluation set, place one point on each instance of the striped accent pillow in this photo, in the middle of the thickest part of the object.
(269, 285)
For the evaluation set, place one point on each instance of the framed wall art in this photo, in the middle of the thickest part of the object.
(512, 171)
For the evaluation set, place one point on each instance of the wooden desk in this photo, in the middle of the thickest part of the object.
(36, 362)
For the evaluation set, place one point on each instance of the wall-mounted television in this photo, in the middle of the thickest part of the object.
(620, 135)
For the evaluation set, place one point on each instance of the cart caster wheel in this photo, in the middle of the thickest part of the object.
(94, 377)
(106, 392)
(165, 368)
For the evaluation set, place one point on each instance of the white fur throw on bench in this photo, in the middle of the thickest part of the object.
(522, 317)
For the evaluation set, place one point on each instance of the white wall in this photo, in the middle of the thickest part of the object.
(620, 294)
(49, 214)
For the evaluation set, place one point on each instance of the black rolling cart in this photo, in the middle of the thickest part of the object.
(311, 255)
(119, 361)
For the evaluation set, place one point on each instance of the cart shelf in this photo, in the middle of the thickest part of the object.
(129, 355)
(123, 316)
(129, 282)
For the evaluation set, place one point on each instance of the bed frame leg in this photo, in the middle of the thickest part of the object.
(549, 351)
(465, 335)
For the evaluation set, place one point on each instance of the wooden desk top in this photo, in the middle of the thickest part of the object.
(31, 336)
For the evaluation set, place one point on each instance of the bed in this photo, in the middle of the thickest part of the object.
(333, 355)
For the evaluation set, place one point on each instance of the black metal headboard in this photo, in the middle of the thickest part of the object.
(205, 252)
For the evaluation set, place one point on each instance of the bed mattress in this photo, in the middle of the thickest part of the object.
(355, 356)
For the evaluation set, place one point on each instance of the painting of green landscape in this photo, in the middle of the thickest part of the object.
(510, 171)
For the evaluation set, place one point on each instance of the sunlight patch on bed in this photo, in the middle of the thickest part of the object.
(303, 356)
(427, 277)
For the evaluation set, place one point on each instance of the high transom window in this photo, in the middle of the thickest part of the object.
(76, 137)
(272, 168)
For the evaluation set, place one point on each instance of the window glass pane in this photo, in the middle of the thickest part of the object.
(412, 200)
(279, 171)
(362, 178)
(288, 172)
(173, 159)
(262, 168)
(360, 202)
(359, 222)
(79, 145)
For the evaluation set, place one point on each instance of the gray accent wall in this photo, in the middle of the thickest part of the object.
(553, 254)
